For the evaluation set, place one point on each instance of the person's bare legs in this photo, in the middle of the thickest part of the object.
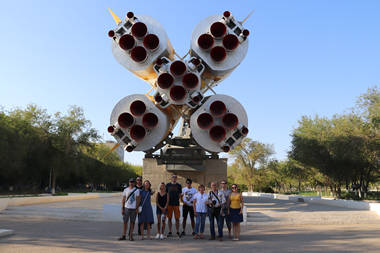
(177, 225)
(148, 230)
(159, 223)
(142, 230)
(170, 225)
(125, 225)
(131, 227)
(234, 229)
(163, 226)
(238, 231)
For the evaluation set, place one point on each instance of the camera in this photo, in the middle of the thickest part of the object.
(214, 202)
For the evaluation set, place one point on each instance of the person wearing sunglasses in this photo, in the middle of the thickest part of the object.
(235, 204)
(226, 218)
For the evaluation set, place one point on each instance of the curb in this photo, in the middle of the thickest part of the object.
(5, 202)
(352, 204)
(6, 232)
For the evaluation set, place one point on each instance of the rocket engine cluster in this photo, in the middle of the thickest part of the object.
(141, 122)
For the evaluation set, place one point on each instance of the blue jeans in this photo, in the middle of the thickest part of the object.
(219, 221)
(200, 220)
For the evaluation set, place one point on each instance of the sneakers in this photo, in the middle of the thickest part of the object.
(193, 233)
(162, 236)
(157, 236)
(183, 233)
(170, 234)
(179, 235)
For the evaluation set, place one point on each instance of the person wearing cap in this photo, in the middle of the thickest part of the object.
(174, 190)
(129, 204)
(187, 197)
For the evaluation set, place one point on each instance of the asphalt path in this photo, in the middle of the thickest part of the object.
(272, 226)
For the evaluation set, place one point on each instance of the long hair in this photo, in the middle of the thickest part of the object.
(150, 185)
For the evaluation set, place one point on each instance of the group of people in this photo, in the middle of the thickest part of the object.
(223, 205)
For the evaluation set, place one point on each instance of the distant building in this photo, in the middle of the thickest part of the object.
(119, 150)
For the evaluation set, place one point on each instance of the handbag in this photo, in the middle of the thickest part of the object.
(140, 207)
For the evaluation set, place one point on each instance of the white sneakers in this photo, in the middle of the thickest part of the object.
(160, 236)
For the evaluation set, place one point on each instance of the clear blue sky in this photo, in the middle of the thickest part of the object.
(305, 57)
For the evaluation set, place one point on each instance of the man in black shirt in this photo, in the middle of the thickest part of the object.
(139, 186)
(174, 189)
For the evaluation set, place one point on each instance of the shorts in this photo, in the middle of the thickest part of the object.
(159, 212)
(129, 214)
(174, 209)
(186, 210)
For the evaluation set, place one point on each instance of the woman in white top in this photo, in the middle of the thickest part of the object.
(200, 211)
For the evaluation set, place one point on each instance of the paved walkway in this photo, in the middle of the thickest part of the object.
(275, 226)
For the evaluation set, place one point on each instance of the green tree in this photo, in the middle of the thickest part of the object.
(249, 156)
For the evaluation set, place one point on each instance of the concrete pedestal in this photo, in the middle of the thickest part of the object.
(210, 170)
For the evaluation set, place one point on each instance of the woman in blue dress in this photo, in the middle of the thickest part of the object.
(146, 214)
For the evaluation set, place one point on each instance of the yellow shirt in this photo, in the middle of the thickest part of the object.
(235, 201)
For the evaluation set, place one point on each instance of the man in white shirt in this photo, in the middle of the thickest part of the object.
(187, 197)
(215, 202)
(129, 208)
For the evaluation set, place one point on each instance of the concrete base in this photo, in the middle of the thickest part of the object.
(5, 232)
(210, 170)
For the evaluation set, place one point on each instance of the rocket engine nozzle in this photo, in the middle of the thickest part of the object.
(165, 80)
(151, 41)
(190, 81)
(150, 120)
(177, 93)
(125, 120)
(218, 53)
(218, 29)
(138, 54)
(230, 121)
(205, 41)
(217, 133)
(127, 42)
(178, 68)
(137, 108)
(230, 42)
(205, 120)
(137, 132)
(139, 30)
(218, 108)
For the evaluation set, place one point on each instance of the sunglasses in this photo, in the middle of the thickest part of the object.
(234, 187)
